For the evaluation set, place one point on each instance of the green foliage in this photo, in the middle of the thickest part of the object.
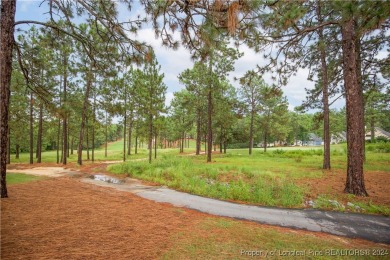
(380, 147)
(217, 181)
(238, 145)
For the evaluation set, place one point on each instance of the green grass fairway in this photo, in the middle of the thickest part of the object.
(16, 178)
(114, 153)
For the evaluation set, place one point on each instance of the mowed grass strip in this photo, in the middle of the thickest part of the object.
(218, 238)
(114, 153)
(16, 178)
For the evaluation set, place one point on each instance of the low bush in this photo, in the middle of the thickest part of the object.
(380, 147)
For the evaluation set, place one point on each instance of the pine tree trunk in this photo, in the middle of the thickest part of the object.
(62, 151)
(83, 118)
(265, 141)
(68, 139)
(325, 94)
(181, 144)
(64, 122)
(71, 145)
(355, 113)
(17, 148)
(155, 146)
(209, 126)
(224, 147)
(31, 129)
(87, 137)
(205, 143)
(251, 132)
(106, 137)
(372, 128)
(150, 137)
(130, 134)
(40, 131)
(93, 141)
(221, 140)
(93, 127)
(210, 112)
(7, 21)
(124, 137)
(58, 140)
(124, 127)
(198, 134)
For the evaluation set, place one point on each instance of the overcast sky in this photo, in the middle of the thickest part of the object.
(173, 62)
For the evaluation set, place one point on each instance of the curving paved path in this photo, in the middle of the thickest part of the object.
(369, 227)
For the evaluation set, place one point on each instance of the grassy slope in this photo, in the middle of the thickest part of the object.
(263, 178)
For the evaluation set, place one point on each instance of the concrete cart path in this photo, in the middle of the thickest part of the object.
(369, 227)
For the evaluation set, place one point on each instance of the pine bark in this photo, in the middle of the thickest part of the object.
(251, 132)
(221, 140)
(71, 145)
(7, 25)
(31, 128)
(17, 150)
(87, 137)
(372, 128)
(198, 133)
(58, 140)
(355, 112)
(209, 115)
(83, 119)
(155, 146)
(325, 92)
(64, 121)
(40, 132)
(68, 143)
(93, 127)
(106, 136)
(150, 137)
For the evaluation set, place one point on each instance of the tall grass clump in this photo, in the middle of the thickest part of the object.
(380, 147)
(227, 182)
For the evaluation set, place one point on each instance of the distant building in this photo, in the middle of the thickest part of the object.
(338, 137)
(313, 140)
(379, 132)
